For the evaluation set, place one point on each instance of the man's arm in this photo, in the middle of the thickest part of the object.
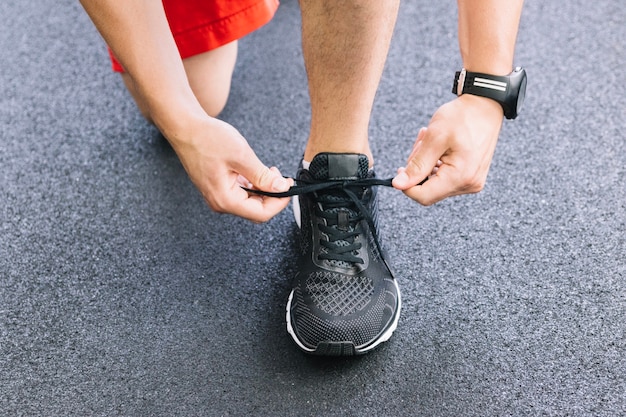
(457, 146)
(213, 153)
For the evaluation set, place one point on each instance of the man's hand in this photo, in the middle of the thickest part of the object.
(454, 151)
(456, 148)
(214, 154)
(219, 162)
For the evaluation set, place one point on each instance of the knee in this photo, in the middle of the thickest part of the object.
(210, 76)
(213, 103)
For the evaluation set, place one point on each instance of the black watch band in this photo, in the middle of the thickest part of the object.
(508, 90)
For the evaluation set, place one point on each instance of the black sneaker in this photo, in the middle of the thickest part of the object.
(345, 300)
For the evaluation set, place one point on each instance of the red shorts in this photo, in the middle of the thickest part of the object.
(201, 25)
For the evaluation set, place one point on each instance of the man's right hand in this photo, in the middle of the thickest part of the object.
(219, 162)
(214, 154)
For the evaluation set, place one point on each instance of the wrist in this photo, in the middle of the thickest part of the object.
(179, 122)
(493, 68)
(486, 105)
(509, 91)
(489, 62)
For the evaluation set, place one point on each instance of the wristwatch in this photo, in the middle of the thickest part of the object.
(508, 90)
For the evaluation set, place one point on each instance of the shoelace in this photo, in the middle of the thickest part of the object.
(335, 251)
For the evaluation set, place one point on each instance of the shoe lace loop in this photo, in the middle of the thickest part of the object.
(342, 208)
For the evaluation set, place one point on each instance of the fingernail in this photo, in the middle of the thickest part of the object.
(402, 178)
(280, 184)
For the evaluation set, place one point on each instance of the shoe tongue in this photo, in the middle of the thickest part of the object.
(339, 166)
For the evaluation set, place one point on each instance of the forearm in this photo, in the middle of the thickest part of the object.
(487, 34)
(138, 32)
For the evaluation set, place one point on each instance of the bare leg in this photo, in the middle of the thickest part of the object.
(345, 46)
(209, 75)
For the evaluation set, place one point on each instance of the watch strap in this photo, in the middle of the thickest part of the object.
(479, 84)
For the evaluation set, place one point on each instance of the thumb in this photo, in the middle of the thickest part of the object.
(263, 178)
(420, 164)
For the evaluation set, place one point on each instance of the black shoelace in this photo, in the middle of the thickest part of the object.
(339, 194)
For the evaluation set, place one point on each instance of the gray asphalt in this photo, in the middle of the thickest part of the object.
(121, 293)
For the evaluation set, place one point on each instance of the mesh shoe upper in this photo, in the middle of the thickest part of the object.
(344, 292)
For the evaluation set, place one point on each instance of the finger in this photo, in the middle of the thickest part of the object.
(423, 159)
(243, 181)
(433, 172)
(276, 171)
(252, 206)
(438, 187)
(418, 142)
(262, 177)
(257, 208)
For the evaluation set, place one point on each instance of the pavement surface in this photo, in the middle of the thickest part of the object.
(122, 294)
